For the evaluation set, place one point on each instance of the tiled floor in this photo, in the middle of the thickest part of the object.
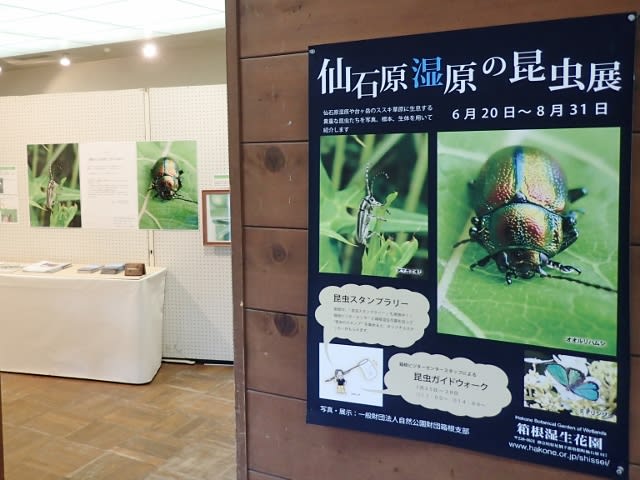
(178, 427)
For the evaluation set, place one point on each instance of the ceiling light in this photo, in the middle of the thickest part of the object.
(65, 61)
(150, 50)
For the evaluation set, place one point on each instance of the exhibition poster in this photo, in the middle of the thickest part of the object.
(129, 185)
(468, 239)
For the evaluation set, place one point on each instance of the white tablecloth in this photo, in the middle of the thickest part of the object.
(85, 325)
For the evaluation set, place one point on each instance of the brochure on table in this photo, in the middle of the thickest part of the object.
(46, 266)
(468, 256)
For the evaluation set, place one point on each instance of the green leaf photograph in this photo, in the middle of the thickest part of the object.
(575, 310)
(54, 185)
(167, 185)
(373, 207)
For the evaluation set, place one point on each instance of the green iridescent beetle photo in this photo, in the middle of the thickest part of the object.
(518, 211)
(523, 216)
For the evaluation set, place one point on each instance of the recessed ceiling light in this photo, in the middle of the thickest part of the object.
(65, 61)
(149, 50)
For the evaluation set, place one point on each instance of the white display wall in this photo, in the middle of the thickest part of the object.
(198, 309)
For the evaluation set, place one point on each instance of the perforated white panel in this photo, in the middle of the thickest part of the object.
(198, 316)
(198, 306)
(67, 118)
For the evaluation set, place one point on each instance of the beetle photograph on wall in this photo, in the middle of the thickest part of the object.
(373, 204)
(54, 185)
(528, 236)
(165, 178)
(167, 185)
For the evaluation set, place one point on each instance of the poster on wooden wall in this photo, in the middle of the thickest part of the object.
(468, 239)
(119, 185)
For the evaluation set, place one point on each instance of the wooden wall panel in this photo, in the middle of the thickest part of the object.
(275, 184)
(634, 420)
(282, 26)
(237, 257)
(275, 269)
(1, 443)
(270, 288)
(282, 444)
(262, 476)
(634, 309)
(274, 98)
(276, 353)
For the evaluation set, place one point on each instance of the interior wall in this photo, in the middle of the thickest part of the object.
(198, 65)
(267, 48)
(205, 65)
(197, 308)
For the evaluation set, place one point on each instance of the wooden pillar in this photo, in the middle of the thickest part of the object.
(1, 443)
(267, 43)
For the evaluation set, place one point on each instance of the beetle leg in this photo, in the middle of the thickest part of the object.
(563, 268)
(569, 232)
(482, 262)
(509, 274)
(576, 194)
(475, 229)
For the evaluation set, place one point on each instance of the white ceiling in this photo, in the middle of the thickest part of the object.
(29, 27)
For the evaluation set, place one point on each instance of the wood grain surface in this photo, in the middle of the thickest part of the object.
(282, 444)
(275, 184)
(275, 266)
(1, 442)
(272, 109)
(276, 352)
(274, 98)
(276, 27)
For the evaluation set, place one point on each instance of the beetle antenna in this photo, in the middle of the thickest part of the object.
(175, 197)
(582, 282)
(369, 181)
(457, 244)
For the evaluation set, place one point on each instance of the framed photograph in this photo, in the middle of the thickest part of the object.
(216, 217)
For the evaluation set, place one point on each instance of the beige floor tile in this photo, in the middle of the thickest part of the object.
(27, 472)
(135, 416)
(56, 423)
(102, 435)
(112, 466)
(60, 457)
(203, 461)
(178, 427)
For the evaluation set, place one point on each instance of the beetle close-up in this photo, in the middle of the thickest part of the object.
(166, 181)
(366, 215)
(522, 215)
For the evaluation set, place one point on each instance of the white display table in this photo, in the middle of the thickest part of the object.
(84, 325)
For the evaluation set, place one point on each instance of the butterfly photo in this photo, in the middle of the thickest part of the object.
(579, 386)
(574, 381)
